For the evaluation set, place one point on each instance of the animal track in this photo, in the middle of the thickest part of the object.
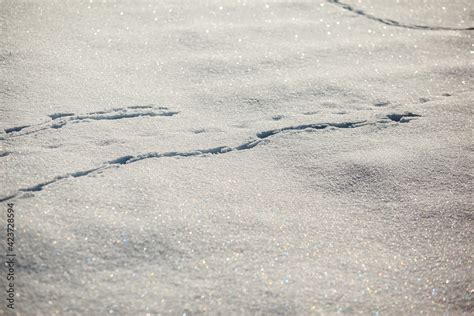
(260, 138)
(15, 129)
(55, 116)
(381, 103)
(266, 134)
(59, 120)
(396, 23)
(401, 118)
(198, 130)
(277, 117)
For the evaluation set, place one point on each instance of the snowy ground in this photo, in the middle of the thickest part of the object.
(255, 157)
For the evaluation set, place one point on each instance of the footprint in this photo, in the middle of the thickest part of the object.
(380, 103)
(199, 131)
(15, 129)
(402, 118)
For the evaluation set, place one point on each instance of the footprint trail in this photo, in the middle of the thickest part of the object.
(59, 120)
(260, 138)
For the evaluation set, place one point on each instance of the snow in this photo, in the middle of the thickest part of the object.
(249, 157)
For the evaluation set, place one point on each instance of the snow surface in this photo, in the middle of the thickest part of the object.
(249, 157)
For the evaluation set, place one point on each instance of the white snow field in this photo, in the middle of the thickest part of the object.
(238, 157)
